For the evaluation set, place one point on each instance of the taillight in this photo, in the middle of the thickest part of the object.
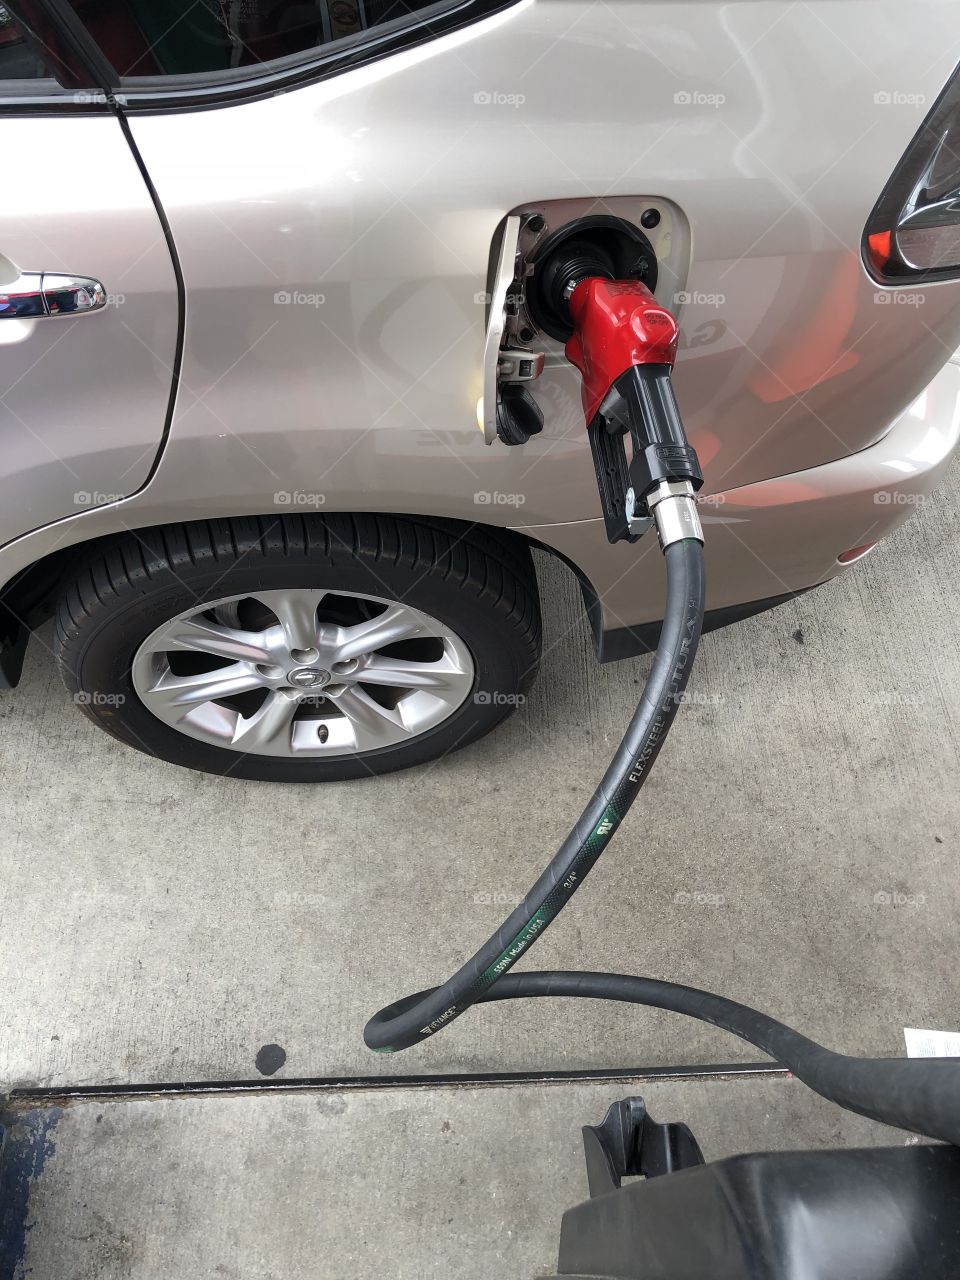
(913, 234)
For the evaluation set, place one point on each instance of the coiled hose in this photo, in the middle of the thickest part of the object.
(921, 1095)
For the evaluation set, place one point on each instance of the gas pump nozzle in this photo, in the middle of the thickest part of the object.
(624, 343)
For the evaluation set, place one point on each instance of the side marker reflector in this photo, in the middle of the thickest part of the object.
(848, 557)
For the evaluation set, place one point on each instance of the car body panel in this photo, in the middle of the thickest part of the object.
(782, 535)
(376, 194)
(84, 397)
(764, 540)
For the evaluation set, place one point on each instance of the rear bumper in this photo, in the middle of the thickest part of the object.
(768, 541)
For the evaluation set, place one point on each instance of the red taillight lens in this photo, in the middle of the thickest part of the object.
(913, 234)
(880, 249)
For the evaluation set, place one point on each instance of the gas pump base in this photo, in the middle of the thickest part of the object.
(887, 1213)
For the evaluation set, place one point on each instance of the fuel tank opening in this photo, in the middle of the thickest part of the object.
(599, 245)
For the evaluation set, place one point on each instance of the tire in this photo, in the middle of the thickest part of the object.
(478, 584)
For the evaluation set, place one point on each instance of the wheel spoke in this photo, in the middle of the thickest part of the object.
(297, 614)
(406, 674)
(395, 623)
(269, 727)
(200, 636)
(171, 692)
(373, 725)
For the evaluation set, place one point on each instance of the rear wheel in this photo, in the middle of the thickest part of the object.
(301, 649)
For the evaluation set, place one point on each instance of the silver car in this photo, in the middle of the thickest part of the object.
(249, 263)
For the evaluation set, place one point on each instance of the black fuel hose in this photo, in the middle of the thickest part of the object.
(919, 1094)
(922, 1096)
(414, 1018)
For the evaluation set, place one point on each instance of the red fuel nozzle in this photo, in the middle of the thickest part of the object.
(616, 324)
(624, 343)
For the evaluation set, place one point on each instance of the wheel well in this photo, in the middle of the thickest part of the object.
(31, 595)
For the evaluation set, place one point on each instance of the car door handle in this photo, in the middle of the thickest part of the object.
(35, 294)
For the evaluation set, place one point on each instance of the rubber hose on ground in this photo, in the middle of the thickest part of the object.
(922, 1095)
(413, 1018)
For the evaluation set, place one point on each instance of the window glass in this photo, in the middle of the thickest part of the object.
(191, 37)
(18, 59)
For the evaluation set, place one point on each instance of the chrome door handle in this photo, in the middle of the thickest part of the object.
(35, 294)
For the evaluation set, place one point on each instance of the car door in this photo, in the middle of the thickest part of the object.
(334, 281)
(89, 308)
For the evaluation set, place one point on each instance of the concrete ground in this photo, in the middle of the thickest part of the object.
(795, 847)
(398, 1184)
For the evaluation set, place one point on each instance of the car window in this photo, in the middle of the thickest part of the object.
(150, 38)
(19, 60)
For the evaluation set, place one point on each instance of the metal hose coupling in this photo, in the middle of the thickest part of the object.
(673, 505)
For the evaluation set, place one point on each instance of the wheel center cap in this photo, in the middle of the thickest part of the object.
(309, 677)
